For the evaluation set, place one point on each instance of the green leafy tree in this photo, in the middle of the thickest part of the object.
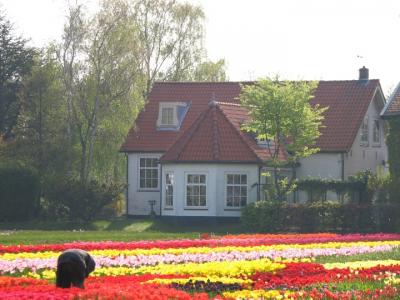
(211, 71)
(393, 142)
(15, 62)
(40, 130)
(282, 117)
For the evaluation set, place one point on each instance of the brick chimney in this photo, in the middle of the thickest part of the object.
(364, 73)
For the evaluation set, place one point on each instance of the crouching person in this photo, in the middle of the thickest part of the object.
(73, 266)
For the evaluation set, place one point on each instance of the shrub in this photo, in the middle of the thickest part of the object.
(19, 193)
(262, 216)
(266, 216)
(74, 200)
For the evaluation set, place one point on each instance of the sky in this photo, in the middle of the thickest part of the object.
(297, 39)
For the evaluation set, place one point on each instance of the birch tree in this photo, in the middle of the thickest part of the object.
(171, 36)
(99, 59)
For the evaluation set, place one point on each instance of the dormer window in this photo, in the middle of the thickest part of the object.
(167, 116)
(171, 115)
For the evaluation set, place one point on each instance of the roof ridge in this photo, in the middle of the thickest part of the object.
(239, 133)
(229, 103)
(254, 81)
(216, 150)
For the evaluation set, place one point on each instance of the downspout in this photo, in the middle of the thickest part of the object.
(161, 189)
(127, 185)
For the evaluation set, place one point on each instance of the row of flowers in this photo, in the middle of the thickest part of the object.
(292, 281)
(274, 250)
(17, 264)
(247, 240)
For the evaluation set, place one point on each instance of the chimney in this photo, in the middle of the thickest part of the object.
(364, 73)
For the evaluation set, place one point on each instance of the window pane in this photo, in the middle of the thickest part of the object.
(190, 178)
(202, 178)
(189, 201)
(230, 179)
(203, 201)
(143, 163)
(229, 191)
(142, 183)
(196, 190)
(152, 162)
(243, 191)
(236, 179)
(243, 201)
(236, 190)
(167, 179)
(154, 173)
(243, 179)
(167, 115)
(229, 201)
(203, 190)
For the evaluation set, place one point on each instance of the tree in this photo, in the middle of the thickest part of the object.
(170, 35)
(40, 138)
(211, 71)
(393, 142)
(282, 117)
(101, 75)
(15, 62)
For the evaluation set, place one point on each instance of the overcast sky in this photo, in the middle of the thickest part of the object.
(299, 39)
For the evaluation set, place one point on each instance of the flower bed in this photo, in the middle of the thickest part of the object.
(231, 267)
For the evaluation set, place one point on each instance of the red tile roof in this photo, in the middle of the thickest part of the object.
(347, 100)
(347, 103)
(211, 138)
(392, 107)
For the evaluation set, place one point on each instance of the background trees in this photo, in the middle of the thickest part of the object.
(70, 105)
(15, 61)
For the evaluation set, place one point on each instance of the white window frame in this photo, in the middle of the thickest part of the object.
(376, 130)
(233, 184)
(166, 205)
(186, 206)
(144, 168)
(167, 105)
(364, 132)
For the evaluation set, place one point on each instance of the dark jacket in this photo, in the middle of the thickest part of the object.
(79, 257)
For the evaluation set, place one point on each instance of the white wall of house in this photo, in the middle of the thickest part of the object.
(138, 199)
(368, 156)
(216, 175)
(320, 165)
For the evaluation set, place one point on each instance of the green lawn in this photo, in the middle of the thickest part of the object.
(116, 230)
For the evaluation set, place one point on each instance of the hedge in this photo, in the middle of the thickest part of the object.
(264, 216)
(19, 193)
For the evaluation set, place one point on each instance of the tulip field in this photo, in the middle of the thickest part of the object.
(259, 266)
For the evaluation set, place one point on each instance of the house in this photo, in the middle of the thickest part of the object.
(392, 107)
(187, 154)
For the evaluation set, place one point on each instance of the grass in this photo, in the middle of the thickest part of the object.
(101, 230)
